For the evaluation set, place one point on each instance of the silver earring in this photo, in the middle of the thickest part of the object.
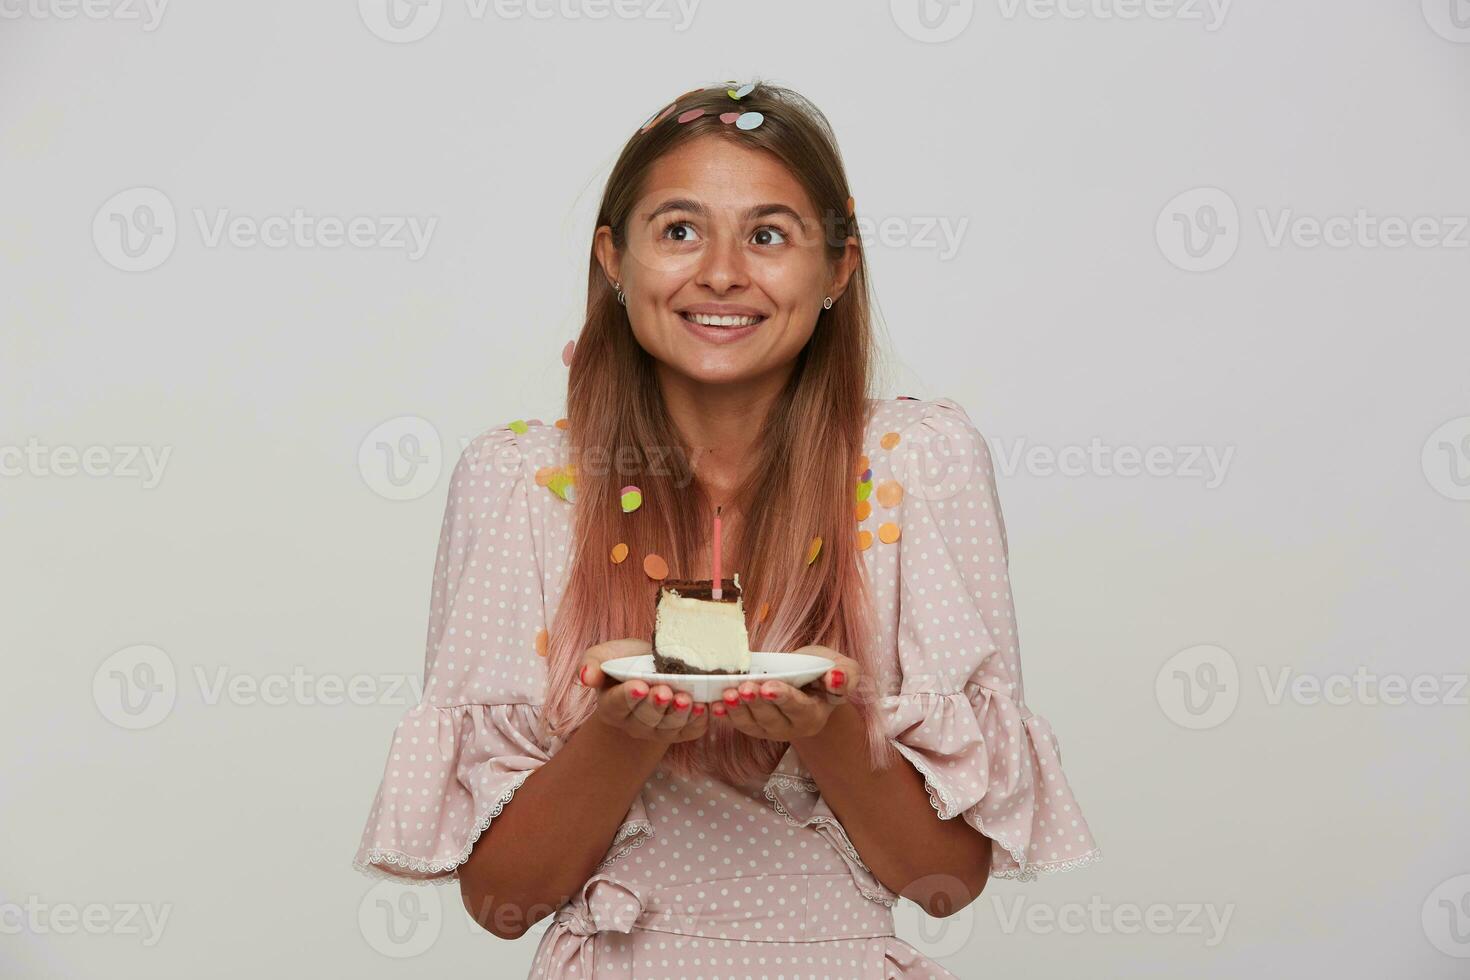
(827, 303)
(622, 296)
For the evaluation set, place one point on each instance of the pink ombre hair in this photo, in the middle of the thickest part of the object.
(801, 484)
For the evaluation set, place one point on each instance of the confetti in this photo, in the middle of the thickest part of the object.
(890, 492)
(619, 553)
(863, 510)
(728, 117)
(851, 206)
(659, 117)
(540, 643)
(864, 489)
(867, 476)
(631, 498)
(862, 463)
(865, 540)
(888, 533)
(741, 92)
(765, 611)
(691, 115)
(566, 352)
(561, 484)
(655, 568)
(889, 440)
(519, 427)
(749, 120)
(813, 549)
(562, 423)
(544, 475)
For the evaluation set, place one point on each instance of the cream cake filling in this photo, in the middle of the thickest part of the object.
(704, 634)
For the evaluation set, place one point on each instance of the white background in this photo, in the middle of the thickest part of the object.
(1334, 542)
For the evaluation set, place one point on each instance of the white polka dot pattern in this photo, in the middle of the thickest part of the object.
(704, 878)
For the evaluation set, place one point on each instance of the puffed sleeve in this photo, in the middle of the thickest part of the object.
(959, 715)
(458, 757)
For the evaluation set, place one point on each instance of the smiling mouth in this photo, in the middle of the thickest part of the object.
(709, 320)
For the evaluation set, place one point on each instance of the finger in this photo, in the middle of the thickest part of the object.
(767, 715)
(652, 709)
(792, 702)
(591, 674)
(749, 691)
(624, 699)
(679, 714)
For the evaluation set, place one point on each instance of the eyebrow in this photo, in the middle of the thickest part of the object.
(694, 207)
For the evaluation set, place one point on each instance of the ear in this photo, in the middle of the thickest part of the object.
(607, 254)
(844, 267)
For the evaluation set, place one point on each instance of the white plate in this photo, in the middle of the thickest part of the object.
(795, 669)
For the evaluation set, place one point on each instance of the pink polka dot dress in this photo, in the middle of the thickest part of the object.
(705, 879)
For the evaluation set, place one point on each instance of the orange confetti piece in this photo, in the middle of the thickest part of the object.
(765, 611)
(620, 553)
(888, 533)
(814, 549)
(889, 440)
(863, 509)
(544, 475)
(655, 568)
(890, 492)
(562, 423)
(540, 643)
(865, 540)
(863, 465)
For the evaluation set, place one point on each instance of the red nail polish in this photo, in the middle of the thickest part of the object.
(718, 709)
(837, 678)
(660, 699)
(769, 695)
(731, 697)
(684, 706)
(750, 696)
(637, 692)
(582, 674)
(698, 708)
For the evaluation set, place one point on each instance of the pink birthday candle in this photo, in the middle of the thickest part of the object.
(715, 591)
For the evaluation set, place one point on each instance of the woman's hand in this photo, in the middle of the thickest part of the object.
(778, 711)
(658, 714)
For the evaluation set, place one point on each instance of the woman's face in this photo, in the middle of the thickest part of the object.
(725, 265)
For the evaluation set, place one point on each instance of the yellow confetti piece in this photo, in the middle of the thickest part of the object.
(814, 549)
(631, 498)
(890, 492)
(889, 440)
(562, 423)
(864, 489)
(541, 643)
(888, 533)
(519, 427)
(619, 553)
(863, 509)
(561, 484)
(655, 568)
(865, 540)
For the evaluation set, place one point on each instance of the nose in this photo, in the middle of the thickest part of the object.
(722, 262)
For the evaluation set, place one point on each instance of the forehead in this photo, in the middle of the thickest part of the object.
(722, 174)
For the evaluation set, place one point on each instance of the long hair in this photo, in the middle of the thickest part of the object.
(802, 479)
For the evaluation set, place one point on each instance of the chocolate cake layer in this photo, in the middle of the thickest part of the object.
(702, 589)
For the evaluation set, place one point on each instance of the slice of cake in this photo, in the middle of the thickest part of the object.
(694, 633)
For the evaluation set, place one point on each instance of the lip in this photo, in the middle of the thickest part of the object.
(721, 335)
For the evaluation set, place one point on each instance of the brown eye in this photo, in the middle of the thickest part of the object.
(764, 235)
(671, 232)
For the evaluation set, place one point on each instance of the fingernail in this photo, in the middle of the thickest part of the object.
(748, 695)
(836, 678)
(718, 709)
(660, 699)
(637, 692)
(731, 697)
(770, 695)
(681, 705)
(582, 674)
(698, 708)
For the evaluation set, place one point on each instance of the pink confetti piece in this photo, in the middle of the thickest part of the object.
(691, 115)
(566, 352)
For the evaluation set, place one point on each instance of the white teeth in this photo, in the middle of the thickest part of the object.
(706, 320)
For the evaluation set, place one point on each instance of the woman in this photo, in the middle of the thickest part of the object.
(724, 362)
